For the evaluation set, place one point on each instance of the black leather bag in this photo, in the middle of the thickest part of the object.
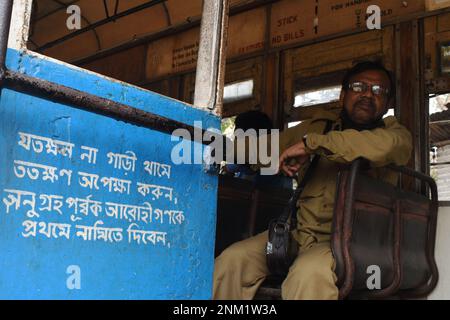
(282, 248)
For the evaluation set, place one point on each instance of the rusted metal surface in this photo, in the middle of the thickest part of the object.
(85, 101)
(404, 207)
(5, 20)
(211, 56)
(346, 236)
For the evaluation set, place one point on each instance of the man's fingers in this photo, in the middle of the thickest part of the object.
(290, 170)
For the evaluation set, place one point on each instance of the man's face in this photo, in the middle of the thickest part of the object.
(366, 107)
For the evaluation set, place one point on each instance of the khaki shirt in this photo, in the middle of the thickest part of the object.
(381, 146)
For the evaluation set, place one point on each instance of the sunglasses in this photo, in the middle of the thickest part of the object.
(361, 87)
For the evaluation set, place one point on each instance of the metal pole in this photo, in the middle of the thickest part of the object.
(211, 56)
(5, 21)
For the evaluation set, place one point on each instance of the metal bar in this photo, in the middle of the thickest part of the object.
(56, 10)
(211, 56)
(136, 42)
(439, 164)
(5, 22)
(105, 6)
(85, 101)
(444, 203)
(166, 32)
(446, 121)
(82, 100)
(99, 23)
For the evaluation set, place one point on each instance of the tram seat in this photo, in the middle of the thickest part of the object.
(378, 224)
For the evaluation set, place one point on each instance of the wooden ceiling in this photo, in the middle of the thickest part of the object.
(48, 23)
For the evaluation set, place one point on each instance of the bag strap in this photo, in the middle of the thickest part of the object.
(291, 208)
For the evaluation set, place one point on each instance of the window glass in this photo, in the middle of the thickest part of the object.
(317, 96)
(238, 91)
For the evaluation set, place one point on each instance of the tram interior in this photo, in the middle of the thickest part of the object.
(285, 58)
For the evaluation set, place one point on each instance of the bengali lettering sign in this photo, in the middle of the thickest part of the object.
(34, 206)
(92, 207)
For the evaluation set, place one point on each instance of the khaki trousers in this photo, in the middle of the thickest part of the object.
(241, 269)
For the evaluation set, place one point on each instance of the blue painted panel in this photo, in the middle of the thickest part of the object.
(119, 228)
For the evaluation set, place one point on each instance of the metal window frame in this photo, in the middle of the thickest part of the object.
(210, 44)
(210, 74)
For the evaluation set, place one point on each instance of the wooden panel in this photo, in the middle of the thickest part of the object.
(437, 30)
(443, 36)
(408, 88)
(126, 65)
(341, 15)
(133, 26)
(123, 29)
(161, 87)
(291, 21)
(246, 32)
(243, 70)
(181, 10)
(436, 4)
(173, 54)
(71, 50)
(443, 23)
(294, 21)
(288, 83)
(388, 48)
(236, 3)
(188, 88)
(338, 52)
(430, 29)
(271, 85)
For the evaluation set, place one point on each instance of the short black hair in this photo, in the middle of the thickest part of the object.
(253, 119)
(366, 66)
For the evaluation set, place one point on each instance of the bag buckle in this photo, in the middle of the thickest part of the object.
(280, 227)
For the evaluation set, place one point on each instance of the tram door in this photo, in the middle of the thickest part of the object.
(93, 205)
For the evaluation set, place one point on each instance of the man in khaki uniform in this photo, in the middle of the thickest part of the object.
(358, 130)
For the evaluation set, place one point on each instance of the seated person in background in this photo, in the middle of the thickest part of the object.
(255, 120)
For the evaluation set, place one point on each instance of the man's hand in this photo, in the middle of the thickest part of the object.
(293, 158)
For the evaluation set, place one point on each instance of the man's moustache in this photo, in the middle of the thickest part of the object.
(366, 102)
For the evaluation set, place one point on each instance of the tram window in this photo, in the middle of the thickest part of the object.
(440, 143)
(238, 91)
(317, 96)
(131, 41)
(293, 124)
(391, 112)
